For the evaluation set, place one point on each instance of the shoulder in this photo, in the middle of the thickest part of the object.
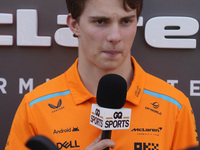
(53, 86)
(165, 90)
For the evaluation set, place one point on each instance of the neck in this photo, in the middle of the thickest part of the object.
(91, 77)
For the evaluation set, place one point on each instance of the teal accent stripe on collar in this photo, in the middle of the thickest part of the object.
(48, 97)
(167, 98)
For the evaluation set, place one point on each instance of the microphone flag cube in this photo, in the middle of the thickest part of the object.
(110, 119)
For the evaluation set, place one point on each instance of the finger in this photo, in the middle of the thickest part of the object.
(103, 144)
(94, 142)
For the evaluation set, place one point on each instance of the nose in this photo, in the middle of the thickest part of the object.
(114, 34)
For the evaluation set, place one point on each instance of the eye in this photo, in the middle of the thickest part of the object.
(126, 21)
(100, 21)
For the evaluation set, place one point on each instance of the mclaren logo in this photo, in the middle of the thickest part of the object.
(147, 129)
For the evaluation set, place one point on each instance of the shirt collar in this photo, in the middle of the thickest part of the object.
(136, 89)
(80, 94)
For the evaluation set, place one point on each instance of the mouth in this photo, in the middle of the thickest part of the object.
(112, 53)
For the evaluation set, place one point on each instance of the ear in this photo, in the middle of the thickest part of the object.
(73, 25)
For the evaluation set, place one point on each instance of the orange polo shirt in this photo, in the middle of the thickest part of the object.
(161, 119)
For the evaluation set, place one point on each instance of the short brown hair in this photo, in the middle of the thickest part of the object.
(76, 7)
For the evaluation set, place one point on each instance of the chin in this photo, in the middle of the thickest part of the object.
(110, 68)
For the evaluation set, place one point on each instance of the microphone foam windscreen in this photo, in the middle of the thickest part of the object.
(111, 91)
(40, 143)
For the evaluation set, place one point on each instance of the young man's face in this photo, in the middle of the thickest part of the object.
(106, 33)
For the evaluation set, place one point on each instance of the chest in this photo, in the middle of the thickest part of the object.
(70, 128)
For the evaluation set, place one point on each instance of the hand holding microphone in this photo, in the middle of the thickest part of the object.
(109, 115)
(99, 144)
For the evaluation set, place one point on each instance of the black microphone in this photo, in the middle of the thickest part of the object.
(194, 148)
(40, 143)
(111, 93)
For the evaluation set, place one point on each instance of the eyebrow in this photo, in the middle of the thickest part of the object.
(99, 18)
(107, 18)
(128, 17)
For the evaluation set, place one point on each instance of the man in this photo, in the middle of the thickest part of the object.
(161, 116)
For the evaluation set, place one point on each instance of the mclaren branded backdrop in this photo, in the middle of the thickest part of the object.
(36, 45)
